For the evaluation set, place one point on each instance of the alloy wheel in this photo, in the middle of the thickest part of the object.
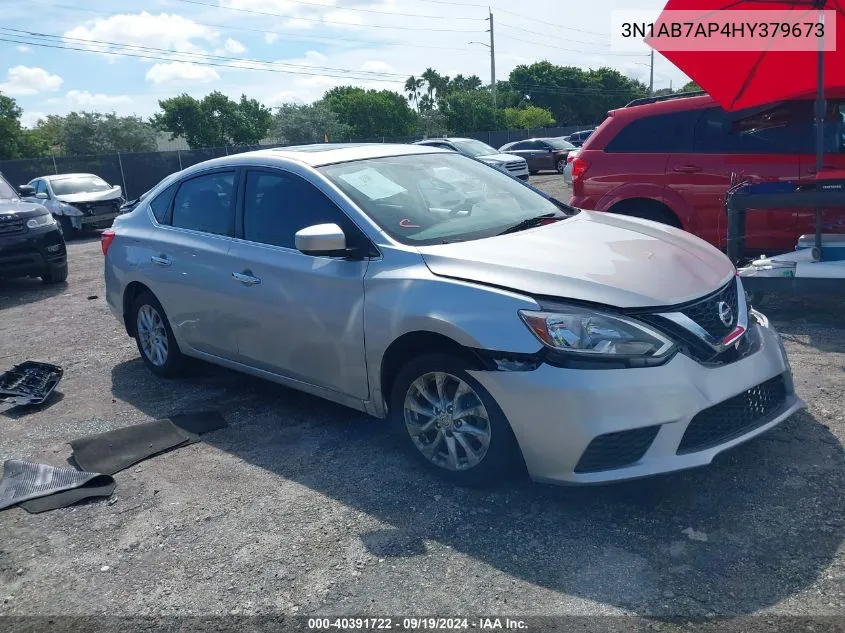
(447, 421)
(152, 335)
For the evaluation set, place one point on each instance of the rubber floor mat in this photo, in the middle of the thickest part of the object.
(23, 481)
(100, 486)
(113, 451)
(199, 422)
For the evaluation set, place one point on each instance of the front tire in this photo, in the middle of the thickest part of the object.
(154, 337)
(451, 422)
(55, 274)
(65, 226)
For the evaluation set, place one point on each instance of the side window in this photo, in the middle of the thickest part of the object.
(662, 133)
(161, 203)
(520, 145)
(41, 186)
(205, 204)
(277, 205)
(784, 129)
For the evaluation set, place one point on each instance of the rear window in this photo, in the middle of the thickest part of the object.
(160, 205)
(662, 133)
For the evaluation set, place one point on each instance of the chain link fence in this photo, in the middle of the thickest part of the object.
(139, 172)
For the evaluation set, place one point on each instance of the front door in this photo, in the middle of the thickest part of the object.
(303, 315)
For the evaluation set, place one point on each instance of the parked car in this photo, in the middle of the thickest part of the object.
(578, 138)
(511, 165)
(79, 202)
(673, 159)
(567, 170)
(31, 244)
(481, 329)
(541, 153)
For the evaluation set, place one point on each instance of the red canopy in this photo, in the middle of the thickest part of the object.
(745, 79)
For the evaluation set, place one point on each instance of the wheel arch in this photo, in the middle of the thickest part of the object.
(130, 293)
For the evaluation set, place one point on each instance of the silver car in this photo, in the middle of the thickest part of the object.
(79, 202)
(516, 166)
(490, 324)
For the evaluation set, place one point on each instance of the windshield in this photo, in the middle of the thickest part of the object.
(78, 184)
(559, 143)
(6, 190)
(474, 148)
(437, 198)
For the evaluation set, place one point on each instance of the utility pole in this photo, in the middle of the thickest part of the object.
(492, 60)
(650, 74)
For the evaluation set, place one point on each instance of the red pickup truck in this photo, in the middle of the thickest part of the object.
(672, 160)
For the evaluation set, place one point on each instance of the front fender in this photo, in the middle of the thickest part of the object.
(405, 296)
(63, 208)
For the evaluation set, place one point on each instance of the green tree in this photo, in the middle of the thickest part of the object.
(372, 113)
(81, 133)
(469, 111)
(413, 86)
(214, 121)
(295, 124)
(690, 86)
(10, 128)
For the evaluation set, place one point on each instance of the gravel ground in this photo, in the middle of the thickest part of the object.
(301, 506)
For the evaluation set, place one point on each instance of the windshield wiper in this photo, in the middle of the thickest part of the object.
(530, 223)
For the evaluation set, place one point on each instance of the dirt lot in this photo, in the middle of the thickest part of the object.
(301, 506)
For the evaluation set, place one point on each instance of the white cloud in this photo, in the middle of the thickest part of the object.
(299, 23)
(377, 66)
(168, 31)
(26, 80)
(234, 46)
(83, 99)
(344, 19)
(23, 48)
(176, 72)
(271, 37)
(29, 119)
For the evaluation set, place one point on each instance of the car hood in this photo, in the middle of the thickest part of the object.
(501, 158)
(595, 257)
(21, 209)
(91, 196)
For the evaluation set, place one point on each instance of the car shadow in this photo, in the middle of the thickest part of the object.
(757, 526)
(24, 290)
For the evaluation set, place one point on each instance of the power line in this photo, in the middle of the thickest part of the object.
(296, 17)
(344, 8)
(573, 50)
(289, 34)
(556, 37)
(201, 56)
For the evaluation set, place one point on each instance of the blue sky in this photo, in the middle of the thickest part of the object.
(197, 46)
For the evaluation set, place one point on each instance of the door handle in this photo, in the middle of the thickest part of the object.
(246, 278)
(686, 169)
(161, 260)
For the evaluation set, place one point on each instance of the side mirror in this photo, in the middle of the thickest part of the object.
(321, 239)
(26, 190)
(42, 196)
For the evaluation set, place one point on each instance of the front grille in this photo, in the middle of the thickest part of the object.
(616, 450)
(706, 311)
(514, 166)
(10, 227)
(734, 417)
(98, 208)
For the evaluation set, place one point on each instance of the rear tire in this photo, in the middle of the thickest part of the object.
(154, 337)
(55, 274)
(561, 165)
(477, 449)
(654, 211)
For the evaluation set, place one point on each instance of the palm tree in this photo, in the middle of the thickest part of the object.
(412, 87)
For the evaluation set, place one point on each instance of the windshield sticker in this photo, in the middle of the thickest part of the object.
(373, 184)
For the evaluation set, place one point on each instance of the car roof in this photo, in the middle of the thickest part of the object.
(64, 176)
(320, 154)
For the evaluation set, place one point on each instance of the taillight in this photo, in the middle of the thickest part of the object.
(579, 167)
(105, 240)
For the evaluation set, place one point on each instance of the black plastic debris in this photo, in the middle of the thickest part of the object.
(29, 383)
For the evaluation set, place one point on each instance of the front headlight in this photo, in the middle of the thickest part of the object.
(39, 221)
(591, 333)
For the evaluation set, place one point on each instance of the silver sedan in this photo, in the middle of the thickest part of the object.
(494, 327)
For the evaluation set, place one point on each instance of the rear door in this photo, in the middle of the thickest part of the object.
(187, 263)
(833, 220)
(764, 146)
